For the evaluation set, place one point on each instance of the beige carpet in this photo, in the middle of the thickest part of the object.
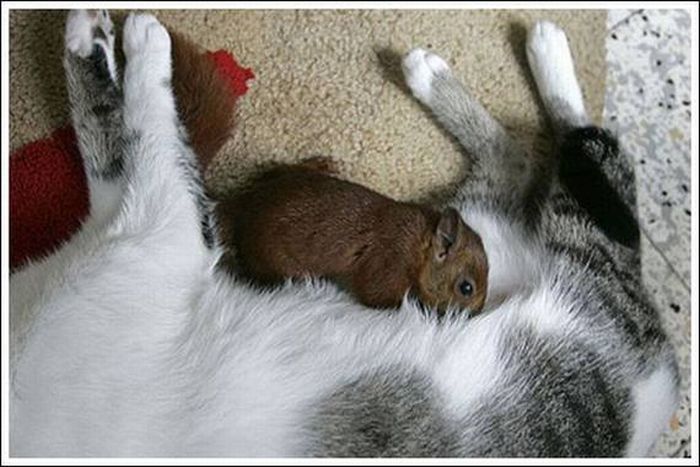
(329, 83)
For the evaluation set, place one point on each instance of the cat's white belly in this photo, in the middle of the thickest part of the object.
(267, 360)
(209, 367)
(229, 371)
(261, 363)
(225, 370)
(90, 346)
(187, 364)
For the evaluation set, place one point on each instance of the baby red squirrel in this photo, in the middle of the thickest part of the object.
(299, 220)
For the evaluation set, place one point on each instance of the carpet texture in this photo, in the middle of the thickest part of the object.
(329, 83)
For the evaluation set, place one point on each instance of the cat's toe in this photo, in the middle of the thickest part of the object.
(420, 68)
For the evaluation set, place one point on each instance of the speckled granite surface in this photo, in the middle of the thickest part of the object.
(647, 104)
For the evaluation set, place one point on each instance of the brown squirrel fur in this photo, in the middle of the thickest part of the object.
(299, 220)
(204, 101)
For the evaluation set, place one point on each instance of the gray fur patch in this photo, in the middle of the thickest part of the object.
(97, 111)
(514, 182)
(393, 413)
(559, 401)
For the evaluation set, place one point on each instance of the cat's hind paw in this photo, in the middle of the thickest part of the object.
(143, 34)
(87, 28)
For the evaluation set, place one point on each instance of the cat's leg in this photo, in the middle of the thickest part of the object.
(591, 166)
(553, 69)
(150, 203)
(501, 171)
(115, 297)
(96, 104)
(142, 175)
(164, 191)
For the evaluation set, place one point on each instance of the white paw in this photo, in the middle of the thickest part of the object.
(144, 34)
(85, 29)
(420, 67)
(552, 66)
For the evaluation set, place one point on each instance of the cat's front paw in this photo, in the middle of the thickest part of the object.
(85, 29)
(421, 68)
(143, 34)
(552, 65)
(546, 42)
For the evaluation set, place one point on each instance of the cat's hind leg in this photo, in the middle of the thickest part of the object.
(96, 104)
(502, 172)
(96, 110)
(150, 208)
(164, 195)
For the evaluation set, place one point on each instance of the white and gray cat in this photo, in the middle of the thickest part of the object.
(128, 341)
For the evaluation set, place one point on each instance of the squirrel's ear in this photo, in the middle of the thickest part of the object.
(445, 234)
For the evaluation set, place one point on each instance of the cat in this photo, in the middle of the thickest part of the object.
(128, 341)
(300, 220)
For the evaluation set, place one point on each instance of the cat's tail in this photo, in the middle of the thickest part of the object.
(205, 101)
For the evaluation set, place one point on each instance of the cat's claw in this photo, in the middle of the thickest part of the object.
(420, 68)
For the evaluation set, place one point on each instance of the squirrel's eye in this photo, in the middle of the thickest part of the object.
(466, 288)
